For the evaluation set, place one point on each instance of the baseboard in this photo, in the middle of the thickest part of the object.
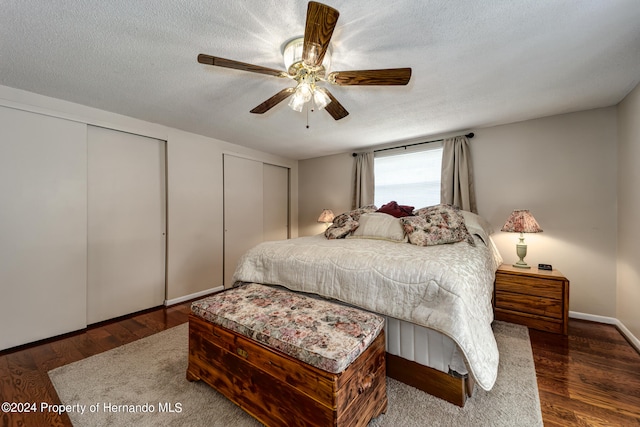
(633, 340)
(593, 318)
(192, 296)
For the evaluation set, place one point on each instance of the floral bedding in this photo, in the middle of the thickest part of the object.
(323, 334)
(446, 287)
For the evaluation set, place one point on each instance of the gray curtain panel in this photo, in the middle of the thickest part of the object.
(457, 174)
(364, 187)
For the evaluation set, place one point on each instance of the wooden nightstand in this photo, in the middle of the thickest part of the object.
(536, 298)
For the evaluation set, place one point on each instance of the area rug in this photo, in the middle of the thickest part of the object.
(143, 384)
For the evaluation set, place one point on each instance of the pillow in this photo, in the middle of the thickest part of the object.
(355, 214)
(399, 211)
(341, 231)
(381, 226)
(442, 215)
(477, 225)
(346, 222)
(436, 225)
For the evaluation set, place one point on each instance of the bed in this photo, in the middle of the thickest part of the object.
(436, 298)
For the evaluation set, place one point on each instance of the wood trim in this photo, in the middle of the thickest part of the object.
(437, 383)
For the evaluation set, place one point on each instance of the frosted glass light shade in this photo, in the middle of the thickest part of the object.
(320, 98)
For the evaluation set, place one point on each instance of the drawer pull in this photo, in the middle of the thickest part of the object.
(242, 353)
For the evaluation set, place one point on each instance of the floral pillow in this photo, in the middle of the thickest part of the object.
(436, 225)
(346, 222)
(341, 231)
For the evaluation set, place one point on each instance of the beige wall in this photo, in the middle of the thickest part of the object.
(325, 183)
(562, 168)
(628, 295)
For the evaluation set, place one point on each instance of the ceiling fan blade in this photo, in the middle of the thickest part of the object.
(237, 65)
(273, 101)
(334, 108)
(386, 77)
(321, 21)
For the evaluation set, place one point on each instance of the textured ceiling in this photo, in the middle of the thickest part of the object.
(475, 63)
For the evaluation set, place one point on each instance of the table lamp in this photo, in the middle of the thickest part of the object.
(326, 216)
(521, 221)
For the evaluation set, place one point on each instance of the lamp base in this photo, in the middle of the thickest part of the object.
(523, 265)
(521, 250)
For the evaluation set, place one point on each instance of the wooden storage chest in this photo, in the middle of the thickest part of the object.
(280, 390)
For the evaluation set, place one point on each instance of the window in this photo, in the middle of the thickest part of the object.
(409, 176)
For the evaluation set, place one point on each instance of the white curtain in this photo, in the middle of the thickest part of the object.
(363, 189)
(457, 174)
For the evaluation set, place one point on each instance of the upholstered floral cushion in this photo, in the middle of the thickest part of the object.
(324, 334)
(436, 225)
(346, 222)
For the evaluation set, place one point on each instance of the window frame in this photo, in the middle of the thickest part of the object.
(434, 197)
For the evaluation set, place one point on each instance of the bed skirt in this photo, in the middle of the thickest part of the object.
(423, 346)
(427, 360)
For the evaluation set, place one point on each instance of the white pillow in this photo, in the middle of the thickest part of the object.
(381, 226)
(477, 225)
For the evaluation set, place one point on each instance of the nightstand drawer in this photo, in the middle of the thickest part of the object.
(530, 286)
(536, 298)
(536, 322)
(527, 304)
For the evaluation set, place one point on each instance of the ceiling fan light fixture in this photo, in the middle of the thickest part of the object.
(292, 56)
(308, 60)
(303, 94)
(298, 99)
(320, 98)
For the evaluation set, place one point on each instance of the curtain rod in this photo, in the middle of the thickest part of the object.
(469, 135)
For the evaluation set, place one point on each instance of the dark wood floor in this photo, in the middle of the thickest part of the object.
(590, 378)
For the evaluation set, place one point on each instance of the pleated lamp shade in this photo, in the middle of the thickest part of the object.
(326, 216)
(521, 221)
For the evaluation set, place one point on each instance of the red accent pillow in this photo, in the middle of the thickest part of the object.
(399, 211)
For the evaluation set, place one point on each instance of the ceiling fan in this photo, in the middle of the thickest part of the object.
(307, 61)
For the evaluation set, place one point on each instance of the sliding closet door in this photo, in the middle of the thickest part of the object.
(275, 189)
(243, 210)
(126, 223)
(43, 226)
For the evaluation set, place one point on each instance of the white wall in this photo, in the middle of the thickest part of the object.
(194, 186)
(628, 291)
(43, 226)
(195, 209)
(194, 172)
(562, 168)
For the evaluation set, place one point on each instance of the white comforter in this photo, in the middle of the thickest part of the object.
(446, 287)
